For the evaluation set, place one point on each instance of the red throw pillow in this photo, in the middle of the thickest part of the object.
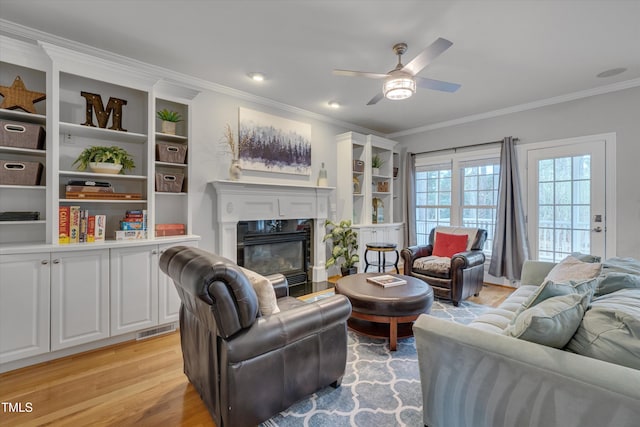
(449, 244)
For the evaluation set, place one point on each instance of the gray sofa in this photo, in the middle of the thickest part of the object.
(474, 376)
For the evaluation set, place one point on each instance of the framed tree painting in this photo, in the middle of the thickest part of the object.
(273, 144)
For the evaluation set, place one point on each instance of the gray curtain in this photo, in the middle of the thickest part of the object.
(510, 242)
(409, 211)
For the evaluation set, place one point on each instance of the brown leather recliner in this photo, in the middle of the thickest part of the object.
(247, 367)
(465, 274)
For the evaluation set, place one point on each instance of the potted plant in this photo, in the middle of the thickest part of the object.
(169, 120)
(105, 160)
(376, 164)
(345, 245)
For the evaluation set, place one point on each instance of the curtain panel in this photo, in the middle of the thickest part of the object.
(409, 211)
(510, 243)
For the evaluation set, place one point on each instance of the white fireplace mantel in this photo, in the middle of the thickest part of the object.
(250, 201)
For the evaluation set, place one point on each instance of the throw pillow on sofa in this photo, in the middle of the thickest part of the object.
(267, 300)
(572, 268)
(552, 322)
(551, 289)
(614, 281)
(618, 273)
(622, 265)
(585, 257)
(610, 329)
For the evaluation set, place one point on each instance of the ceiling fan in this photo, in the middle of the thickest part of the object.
(401, 82)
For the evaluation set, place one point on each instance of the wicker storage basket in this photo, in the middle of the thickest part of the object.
(358, 166)
(20, 173)
(171, 153)
(21, 135)
(169, 182)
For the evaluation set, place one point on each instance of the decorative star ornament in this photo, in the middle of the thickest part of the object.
(17, 96)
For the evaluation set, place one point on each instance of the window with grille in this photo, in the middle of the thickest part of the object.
(480, 180)
(457, 190)
(433, 199)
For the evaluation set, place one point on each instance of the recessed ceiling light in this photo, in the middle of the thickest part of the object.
(334, 104)
(612, 72)
(258, 77)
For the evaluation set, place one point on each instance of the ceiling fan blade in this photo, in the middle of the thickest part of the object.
(349, 73)
(437, 84)
(426, 56)
(376, 98)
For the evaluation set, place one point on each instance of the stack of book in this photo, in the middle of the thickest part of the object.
(133, 226)
(98, 190)
(75, 225)
(164, 230)
(19, 216)
(81, 186)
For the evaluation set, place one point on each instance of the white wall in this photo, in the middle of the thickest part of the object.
(617, 112)
(211, 112)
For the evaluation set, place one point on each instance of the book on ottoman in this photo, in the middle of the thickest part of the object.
(386, 280)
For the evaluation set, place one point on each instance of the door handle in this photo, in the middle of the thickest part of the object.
(597, 229)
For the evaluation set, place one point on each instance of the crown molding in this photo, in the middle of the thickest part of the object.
(627, 84)
(98, 68)
(23, 53)
(34, 35)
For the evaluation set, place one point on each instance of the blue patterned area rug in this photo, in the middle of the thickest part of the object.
(379, 388)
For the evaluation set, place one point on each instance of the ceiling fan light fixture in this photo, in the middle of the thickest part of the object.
(398, 87)
(258, 77)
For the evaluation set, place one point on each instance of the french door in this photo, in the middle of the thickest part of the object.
(566, 199)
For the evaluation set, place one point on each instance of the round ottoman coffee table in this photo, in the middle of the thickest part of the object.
(385, 312)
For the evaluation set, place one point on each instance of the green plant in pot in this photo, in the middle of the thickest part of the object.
(376, 164)
(105, 160)
(345, 245)
(169, 120)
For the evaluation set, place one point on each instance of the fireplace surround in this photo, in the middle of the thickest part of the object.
(237, 201)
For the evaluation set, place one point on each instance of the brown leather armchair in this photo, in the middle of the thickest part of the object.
(460, 279)
(247, 367)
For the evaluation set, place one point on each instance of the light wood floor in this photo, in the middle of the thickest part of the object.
(138, 383)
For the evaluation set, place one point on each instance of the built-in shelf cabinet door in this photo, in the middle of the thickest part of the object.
(79, 297)
(134, 288)
(24, 305)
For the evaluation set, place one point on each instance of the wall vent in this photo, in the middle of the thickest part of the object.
(156, 331)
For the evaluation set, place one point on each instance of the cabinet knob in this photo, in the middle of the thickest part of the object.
(56, 261)
(155, 251)
(44, 262)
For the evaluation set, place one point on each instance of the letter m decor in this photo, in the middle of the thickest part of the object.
(94, 102)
